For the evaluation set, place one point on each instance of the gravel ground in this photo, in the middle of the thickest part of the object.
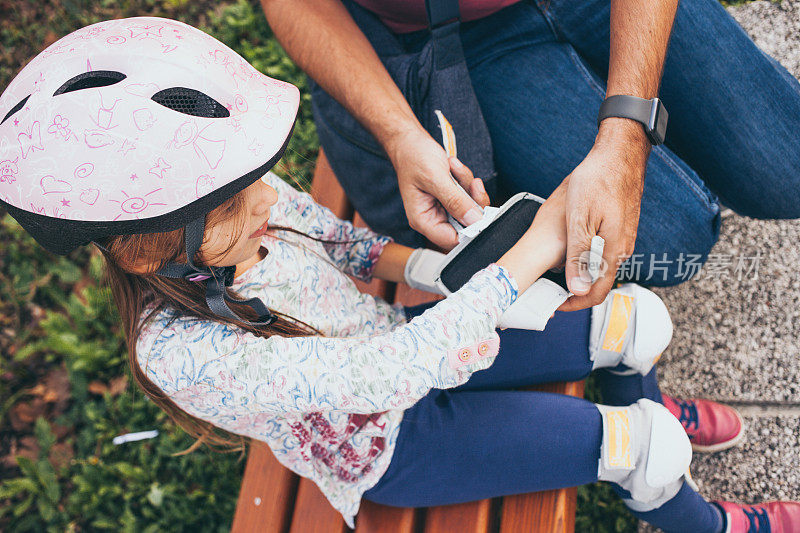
(775, 27)
(736, 340)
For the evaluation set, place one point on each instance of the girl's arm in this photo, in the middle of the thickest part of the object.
(392, 262)
(218, 372)
(542, 247)
(354, 251)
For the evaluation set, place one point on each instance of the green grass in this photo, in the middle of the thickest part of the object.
(62, 399)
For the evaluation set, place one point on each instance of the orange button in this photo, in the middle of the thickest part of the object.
(483, 348)
(464, 354)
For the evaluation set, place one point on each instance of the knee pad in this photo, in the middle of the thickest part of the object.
(631, 327)
(645, 450)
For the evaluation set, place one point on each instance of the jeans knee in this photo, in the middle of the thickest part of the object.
(666, 256)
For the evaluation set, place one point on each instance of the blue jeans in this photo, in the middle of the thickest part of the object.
(483, 440)
(539, 70)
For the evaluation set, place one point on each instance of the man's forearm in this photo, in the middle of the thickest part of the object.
(639, 36)
(323, 39)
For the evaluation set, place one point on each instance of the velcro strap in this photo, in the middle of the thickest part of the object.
(616, 320)
(618, 438)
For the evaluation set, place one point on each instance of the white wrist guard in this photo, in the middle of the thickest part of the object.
(484, 242)
(422, 268)
(534, 307)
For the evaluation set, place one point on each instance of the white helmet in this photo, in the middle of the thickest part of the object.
(137, 125)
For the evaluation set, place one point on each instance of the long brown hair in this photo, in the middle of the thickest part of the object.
(131, 263)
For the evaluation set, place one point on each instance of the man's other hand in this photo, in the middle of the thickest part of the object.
(425, 178)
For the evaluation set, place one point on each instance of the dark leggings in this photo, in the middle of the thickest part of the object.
(483, 440)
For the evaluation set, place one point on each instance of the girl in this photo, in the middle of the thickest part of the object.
(153, 140)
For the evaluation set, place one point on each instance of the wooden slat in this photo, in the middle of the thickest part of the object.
(267, 494)
(313, 513)
(376, 518)
(470, 517)
(549, 511)
(326, 191)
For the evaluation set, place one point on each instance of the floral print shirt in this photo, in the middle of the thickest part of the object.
(329, 407)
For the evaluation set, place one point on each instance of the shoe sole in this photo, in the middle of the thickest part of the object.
(735, 441)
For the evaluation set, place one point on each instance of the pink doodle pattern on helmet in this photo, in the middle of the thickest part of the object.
(143, 119)
(89, 196)
(204, 185)
(211, 150)
(133, 205)
(30, 140)
(83, 170)
(60, 126)
(8, 171)
(71, 155)
(50, 185)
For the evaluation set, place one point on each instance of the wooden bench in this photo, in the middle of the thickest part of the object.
(274, 499)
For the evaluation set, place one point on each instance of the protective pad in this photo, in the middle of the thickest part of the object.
(533, 308)
(645, 451)
(511, 223)
(632, 326)
(422, 268)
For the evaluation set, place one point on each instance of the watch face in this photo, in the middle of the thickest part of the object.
(661, 121)
(657, 125)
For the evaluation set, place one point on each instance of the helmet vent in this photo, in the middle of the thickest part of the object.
(88, 80)
(16, 108)
(191, 102)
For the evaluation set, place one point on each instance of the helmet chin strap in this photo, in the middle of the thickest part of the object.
(215, 278)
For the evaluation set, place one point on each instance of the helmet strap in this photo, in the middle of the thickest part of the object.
(216, 279)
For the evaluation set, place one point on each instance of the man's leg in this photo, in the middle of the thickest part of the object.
(734, 112)
(540, 101)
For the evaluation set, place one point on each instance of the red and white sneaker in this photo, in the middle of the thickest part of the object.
(711, 426)
(771, 517)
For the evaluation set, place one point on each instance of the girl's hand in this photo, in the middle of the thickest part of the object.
(543, 246)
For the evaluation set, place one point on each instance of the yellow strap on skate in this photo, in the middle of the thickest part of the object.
(621, 311)
(618, 453)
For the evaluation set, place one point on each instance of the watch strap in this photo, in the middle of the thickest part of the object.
(650, 113)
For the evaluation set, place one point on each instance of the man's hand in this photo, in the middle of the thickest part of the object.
(604, 195)
(424, 176)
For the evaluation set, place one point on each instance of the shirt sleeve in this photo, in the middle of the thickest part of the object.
(229, 373)
(353, 250)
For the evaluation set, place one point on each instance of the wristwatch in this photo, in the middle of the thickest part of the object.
(651, 113)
